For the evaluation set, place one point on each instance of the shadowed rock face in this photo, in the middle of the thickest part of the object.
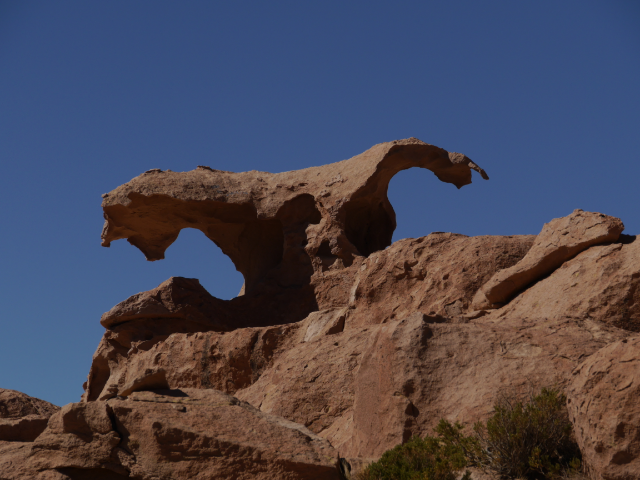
(339, 344)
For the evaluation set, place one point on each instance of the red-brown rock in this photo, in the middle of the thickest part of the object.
(196, 434)
(601, 284)
(14, 404)
(369, 388)
(22, 418)
(361, 343)
(560, 240)
(437, 275)
(277, 228)
(604, 408)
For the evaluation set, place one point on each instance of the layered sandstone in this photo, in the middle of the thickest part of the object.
(341, 345)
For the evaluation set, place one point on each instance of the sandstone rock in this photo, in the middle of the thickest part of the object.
(14, 404)
(405, 322)
(445, 270)
(198, 434)
(370, 388)
(177, 298)
(226, 362)
(22, 418)
(80, 435)
(277, 227)
(437, 275)
(25, 429)
(339, 341)
(604, 408)
(600, 284)
(14, 464)
(560, 240)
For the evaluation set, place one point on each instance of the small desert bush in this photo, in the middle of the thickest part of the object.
(524, 438)
(530, 438)
(430, 458)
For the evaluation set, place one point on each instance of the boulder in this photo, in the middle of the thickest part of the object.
(603, 406)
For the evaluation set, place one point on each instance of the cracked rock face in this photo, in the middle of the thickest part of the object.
(340, 343)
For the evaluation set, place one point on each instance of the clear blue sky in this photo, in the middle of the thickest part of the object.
(544, 95)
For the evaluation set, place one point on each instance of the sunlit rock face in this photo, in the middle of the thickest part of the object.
(341, 343)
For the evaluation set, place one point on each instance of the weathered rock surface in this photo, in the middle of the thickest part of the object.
(604, 408)
(14, 404)
(198, 434)
(22, 418)
(437, 275)
(277, 228)
(602, 284)
(369, 388)
(560, 240)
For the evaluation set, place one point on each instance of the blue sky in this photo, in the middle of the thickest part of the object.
(544, 95)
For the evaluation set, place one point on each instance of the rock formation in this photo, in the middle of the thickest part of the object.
(340, 344)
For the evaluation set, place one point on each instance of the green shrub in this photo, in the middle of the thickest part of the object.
(529, 438)
(419, 459)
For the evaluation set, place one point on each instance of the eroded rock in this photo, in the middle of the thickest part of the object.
(277, 227)
(437, 275)
(23, 418)
(559, 241)
(187, 433)
(370, 388)
(339, 341)
(604, 408)
(14, 404)
(601, 284)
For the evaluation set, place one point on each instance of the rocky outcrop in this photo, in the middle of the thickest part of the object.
(340, 345)
(601, 284)
(436, 275)
(603, 405)
(277, 228)
(559, 241)
(22, 418)
(368, 389)
(198, 434)
(14, 405)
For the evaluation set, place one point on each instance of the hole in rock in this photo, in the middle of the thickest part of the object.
(423, 205)
(369, 226)
(193, 255)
